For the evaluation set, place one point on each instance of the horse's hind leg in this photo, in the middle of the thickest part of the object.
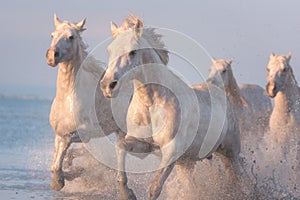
(61, 146)
(73, 153)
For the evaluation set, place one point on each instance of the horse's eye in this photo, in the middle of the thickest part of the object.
(71, 37)
(132, 53)
(284, 70)
(51, 36)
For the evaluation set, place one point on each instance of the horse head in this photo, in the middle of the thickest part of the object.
(66, 41)
(220, 72)
(132, 46)
(278, 69)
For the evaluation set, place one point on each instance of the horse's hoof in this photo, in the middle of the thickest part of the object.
(58, 181)
(129, 195)
(74, 173)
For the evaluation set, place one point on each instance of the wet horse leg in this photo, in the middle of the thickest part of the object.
(61, 146)
(166, 165)
(159, 180)
(73, 153)
(125, 192)
(130, 144)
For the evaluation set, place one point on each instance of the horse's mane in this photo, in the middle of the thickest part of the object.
(89, 63)
(233, 86)
(154, 39)
(292, 75)
(82, 46)
(158, 45)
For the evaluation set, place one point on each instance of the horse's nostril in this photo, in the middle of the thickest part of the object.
(56, 54)
(112, 85)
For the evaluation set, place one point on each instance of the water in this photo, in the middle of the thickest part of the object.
(26, 149)
(26, 152)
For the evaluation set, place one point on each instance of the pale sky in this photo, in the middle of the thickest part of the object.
(247, 31)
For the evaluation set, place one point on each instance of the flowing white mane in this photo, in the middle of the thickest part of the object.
(154, 39)
(294, 81)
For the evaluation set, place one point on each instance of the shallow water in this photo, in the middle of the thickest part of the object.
(26, 148)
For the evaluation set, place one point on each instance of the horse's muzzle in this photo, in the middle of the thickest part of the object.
(52, 57)
(271, 90)
(108, 88)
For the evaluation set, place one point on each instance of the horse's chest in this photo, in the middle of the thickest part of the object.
(64, 115)
(138, 122)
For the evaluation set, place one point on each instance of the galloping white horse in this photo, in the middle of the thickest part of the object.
(73, 108)
(251, 105)
(283, 141)
(164, 111)
(282, 86)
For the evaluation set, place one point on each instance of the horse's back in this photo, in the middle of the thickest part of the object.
(213, 104)
(256, 97)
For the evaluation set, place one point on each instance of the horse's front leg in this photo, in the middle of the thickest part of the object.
(129, 144)
(61, 146)
(125, 192)
(159, 180)
(165, 168)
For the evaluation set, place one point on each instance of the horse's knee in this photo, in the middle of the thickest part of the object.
(134, 145)
(121, 144)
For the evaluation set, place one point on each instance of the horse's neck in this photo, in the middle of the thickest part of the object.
(287, 100)
(233, 92)
(145, 87)
(66, 76)
(65, 79)
(143, 93)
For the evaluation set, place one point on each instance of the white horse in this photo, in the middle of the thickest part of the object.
(79, 111)
(164, 112)
(282, 86)
(249, 101)
(283, 141)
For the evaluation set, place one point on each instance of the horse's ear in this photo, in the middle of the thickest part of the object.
(56, 20)
(114, 29)
(272, 55)
(229, 62)
(213, 60)
(288, 57)
(80, 25)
